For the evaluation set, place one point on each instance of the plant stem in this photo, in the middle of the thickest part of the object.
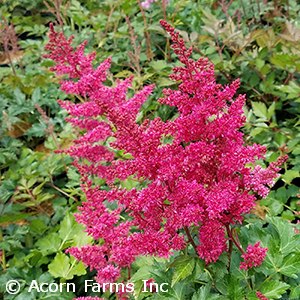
(129, 272)
(187, 231)
(229, 232)
(229, 254)
(61, 191)
(146, 33)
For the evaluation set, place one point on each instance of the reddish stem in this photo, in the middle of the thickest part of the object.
(229, 232)
(187, 231)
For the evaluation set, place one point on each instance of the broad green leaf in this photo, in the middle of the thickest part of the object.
(274, 289)
(158, 65)
(288, 242)
(295, 292)
(202, 293)
(292, 89)
(260, 110)
(148, 260)
(179, 291)
(69, 228)
(276, 208)
(64, 267)
(165, 82)
(281, 195)
(256, 131)
(59, 266)
(272, 262)
(49, 243)
(142, 273)
(289, 175)
(291, 266)
(76, 269)
(235, 290)
(81, 239)
(183, 267)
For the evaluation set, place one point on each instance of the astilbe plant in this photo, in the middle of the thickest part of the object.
(193, 171)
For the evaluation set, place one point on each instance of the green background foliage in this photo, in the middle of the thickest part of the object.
(256, 41)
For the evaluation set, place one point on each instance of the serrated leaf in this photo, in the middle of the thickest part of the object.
(78, 269)
(179, 291)
(37, 130)
(36, 95)
(142, 273)
(271, 110)
(37, 190)
(234, 288)
(274, 289)
(291, 266)
(81, 239)
(184, 266)
(19, 96)
(288, 242)
(49, 244)
(205, 293)
(64, 267)
(69, 228)
(59, 266)
(260, 110)
(295, 292)
(256, 131)
(290, 175)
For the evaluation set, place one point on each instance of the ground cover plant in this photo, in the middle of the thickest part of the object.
(255, 42)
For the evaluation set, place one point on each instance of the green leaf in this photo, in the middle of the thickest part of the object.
(69, 228)
(202, 293)
(234, 288)
(276, 208)
(289, 175)
(59, 266)
(291, 266)
(260, 110)
(77, 270)
(184, 266)
(13, 218)
(256, 131)
(274, 289)
(19, 96)
(271, 110)
(165, 82)
(158, 65)
(205, 293)
(295, 292)
(281, 195)
(292, 89)
(36, 96)
(81, 239)
(143, 273)
(288, 241)
(64, 267)
(49, 244)
(179, 291)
